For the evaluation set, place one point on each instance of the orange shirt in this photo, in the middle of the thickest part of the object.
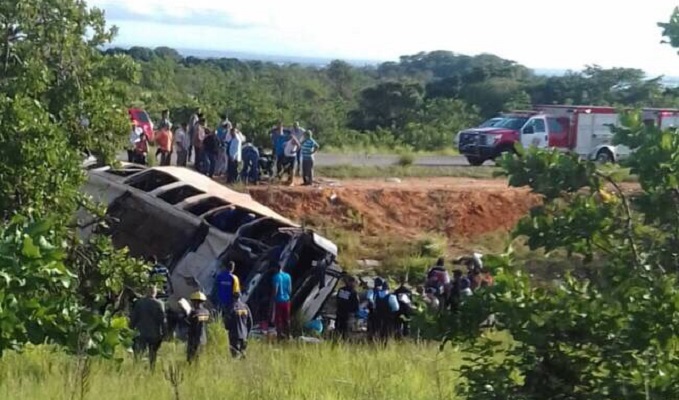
(164, 140)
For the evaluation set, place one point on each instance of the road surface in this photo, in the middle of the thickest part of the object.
(373, 160)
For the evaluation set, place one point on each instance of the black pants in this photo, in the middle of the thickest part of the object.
(231, 171)
(130, 155)
(280, 161)
(181, 158)
(237, 346)
(308, 171)
(142, 344)
(402, 326)
(165, 157)
(343, 326)
(211, 160)
(192, 348)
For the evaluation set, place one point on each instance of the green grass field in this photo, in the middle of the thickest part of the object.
(406, 370)
(412, 171)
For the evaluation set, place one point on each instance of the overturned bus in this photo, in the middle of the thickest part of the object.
(195, 224)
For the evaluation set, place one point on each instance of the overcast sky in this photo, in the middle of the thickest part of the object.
(536, 33)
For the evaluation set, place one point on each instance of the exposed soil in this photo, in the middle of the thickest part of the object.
(456, 207)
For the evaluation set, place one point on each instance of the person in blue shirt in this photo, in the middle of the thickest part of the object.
(227, 285)
(383, 311)
(282, 289)
(309, 148)
(279, 149)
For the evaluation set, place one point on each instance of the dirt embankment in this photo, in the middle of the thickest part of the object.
(452, 206)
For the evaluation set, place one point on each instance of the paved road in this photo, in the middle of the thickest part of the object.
(374, 160)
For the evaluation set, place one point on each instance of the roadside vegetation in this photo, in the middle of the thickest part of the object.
(607, 330)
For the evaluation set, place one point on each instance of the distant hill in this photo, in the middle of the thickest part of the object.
(672, 81)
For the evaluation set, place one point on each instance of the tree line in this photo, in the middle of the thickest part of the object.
(421, 101)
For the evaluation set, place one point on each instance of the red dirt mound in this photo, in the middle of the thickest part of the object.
(454, 207)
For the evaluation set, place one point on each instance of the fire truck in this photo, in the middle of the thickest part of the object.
(584, 130)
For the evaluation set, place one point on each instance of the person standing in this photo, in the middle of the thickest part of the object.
(235, 154)
(210, 152)
(141, 149)
(276, 135)
(347, 307)
(250, 171)
(182, 144)
(197, 142)
(291, 148)
(239, 326)
(165, 120)
(135, 133)
(148, 319)
(405, 308)
(309, 148)
(223, 137)
(193, 125)
(228, 285)
(386, 308)
(197, 320)
(280, 139)
(298, 133)
(164, 141)
(282, 289)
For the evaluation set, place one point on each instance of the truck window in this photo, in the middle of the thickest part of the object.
(206, 205)
(177, 195)
(554, 125)
(150, 180)
(539, 125)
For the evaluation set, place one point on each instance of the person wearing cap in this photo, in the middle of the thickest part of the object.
(347, 307)
(197, 320)
(405, 303)
(309, 148)
(385, 309)
(148, 320)
(282, 290)
(239, 325)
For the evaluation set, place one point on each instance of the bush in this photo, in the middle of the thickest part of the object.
(406, 160)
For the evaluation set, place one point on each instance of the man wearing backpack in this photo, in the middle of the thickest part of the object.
(405, 297)
(385, 309)
(347, 307)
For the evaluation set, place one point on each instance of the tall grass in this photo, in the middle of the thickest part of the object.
(407, 370)
(405, 171)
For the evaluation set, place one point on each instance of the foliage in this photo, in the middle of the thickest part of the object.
(59, 99)
(610, 334)
(421, 101)
(408, 370)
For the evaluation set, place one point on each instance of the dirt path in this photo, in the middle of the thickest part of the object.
(455, 207)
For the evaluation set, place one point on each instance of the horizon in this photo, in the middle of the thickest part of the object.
(609, 34)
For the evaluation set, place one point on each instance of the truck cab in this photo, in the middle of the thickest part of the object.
(529, 128)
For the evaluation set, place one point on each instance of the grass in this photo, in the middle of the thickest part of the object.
(406, 370)
(397, 150)
(408, 171)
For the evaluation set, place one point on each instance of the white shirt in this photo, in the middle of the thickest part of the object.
(181, 139)
(291, 148)
(235, 147)
(134, 135)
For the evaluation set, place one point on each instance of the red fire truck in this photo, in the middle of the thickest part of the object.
(584, 130)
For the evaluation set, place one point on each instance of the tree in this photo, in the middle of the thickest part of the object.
(387, 105)
(60, 97)
(611, 331)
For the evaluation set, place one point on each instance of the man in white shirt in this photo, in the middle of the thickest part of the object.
(135, 132)
(292, 147)
(235, 154)
(182, 143)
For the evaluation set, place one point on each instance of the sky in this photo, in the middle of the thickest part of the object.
(537, 33)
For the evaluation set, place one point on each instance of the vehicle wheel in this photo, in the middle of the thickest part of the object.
(475, 161)
(604, 156)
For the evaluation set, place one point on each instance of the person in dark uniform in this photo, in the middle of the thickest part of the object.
(197, 320)
(371, 297)
(148, 320)
(405, 297)
(347, 307)
(240, 325)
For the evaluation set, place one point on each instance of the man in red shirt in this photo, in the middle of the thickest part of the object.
(164, 142)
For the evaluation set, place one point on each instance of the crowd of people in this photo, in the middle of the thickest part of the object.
(226, 152)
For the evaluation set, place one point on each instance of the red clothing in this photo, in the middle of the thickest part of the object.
(164, 140)
(282, 318)
(141, 147)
